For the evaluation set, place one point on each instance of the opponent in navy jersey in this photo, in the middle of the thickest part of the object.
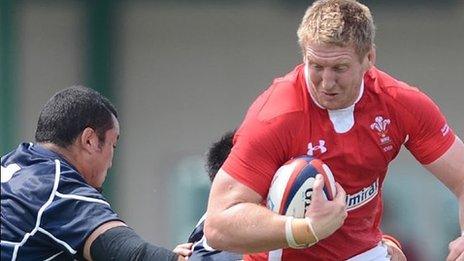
(51, 207)
(47, 207)
(217, 154)
(338, 107)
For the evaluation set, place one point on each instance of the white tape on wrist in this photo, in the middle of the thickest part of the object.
(289, 235)
(462, 233)
(310, 224)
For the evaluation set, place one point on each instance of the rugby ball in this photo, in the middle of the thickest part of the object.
(292, 186)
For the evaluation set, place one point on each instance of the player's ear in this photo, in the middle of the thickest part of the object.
(88, 140)
(371, 57)
(305, 55)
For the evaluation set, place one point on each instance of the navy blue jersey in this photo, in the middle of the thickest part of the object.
(47, 208)
(201, 249)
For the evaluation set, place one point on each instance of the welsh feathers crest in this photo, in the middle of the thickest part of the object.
(380, 125)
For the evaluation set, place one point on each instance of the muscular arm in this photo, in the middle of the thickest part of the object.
(449, 169)
(236, 222)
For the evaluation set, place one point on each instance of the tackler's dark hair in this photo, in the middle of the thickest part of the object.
(68, 112)
(218, 153)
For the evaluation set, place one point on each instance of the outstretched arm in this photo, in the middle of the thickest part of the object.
(449, 169)
(115, 241)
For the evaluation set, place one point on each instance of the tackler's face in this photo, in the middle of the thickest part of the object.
(335, 74)
(103, 158)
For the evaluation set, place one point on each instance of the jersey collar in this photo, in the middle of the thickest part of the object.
(38, 148)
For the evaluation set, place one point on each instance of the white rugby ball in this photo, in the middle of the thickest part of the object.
(292, 186)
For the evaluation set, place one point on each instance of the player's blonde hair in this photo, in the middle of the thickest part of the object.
(338, 22)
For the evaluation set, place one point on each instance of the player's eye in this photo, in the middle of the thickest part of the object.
(316, 67)
(340, 68)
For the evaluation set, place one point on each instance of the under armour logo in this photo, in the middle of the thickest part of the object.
(312, 149)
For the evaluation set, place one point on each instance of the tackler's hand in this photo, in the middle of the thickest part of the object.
(183, 250)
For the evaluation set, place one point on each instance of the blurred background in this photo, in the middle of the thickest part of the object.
(183, 72)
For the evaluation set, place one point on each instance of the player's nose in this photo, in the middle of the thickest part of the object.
(328, 80)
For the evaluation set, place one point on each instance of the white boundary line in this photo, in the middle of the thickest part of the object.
(55, 255)
(61, 242)
(9, 242)
(77, 197)
(41, 210)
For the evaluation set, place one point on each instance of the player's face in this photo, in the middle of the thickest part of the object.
(335, 74)
(103, 158)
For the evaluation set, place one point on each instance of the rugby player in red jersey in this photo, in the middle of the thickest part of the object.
(338, 107)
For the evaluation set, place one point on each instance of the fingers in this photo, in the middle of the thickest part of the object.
(398, 256)
(461, 257)
(185, 245)
(341, 194)
(183, 250)
(318, 188)
(326, 215)
(340, 199)
(456, 250)
(394, 251)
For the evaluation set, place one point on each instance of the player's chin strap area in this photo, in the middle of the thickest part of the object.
(122, 243)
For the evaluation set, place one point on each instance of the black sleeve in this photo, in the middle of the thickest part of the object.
(122, 243)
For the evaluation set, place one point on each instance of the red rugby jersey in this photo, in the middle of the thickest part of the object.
(357, 143)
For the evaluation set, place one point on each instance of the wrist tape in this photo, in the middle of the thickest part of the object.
(290, 237)
(310, 224)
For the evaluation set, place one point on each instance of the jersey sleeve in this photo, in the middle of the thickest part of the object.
(75, 212)
(270, 133)
(260, 148)
(429, 135)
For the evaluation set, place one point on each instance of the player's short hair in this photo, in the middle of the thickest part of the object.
(338, 22)
(218, 153)
(68, 112)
